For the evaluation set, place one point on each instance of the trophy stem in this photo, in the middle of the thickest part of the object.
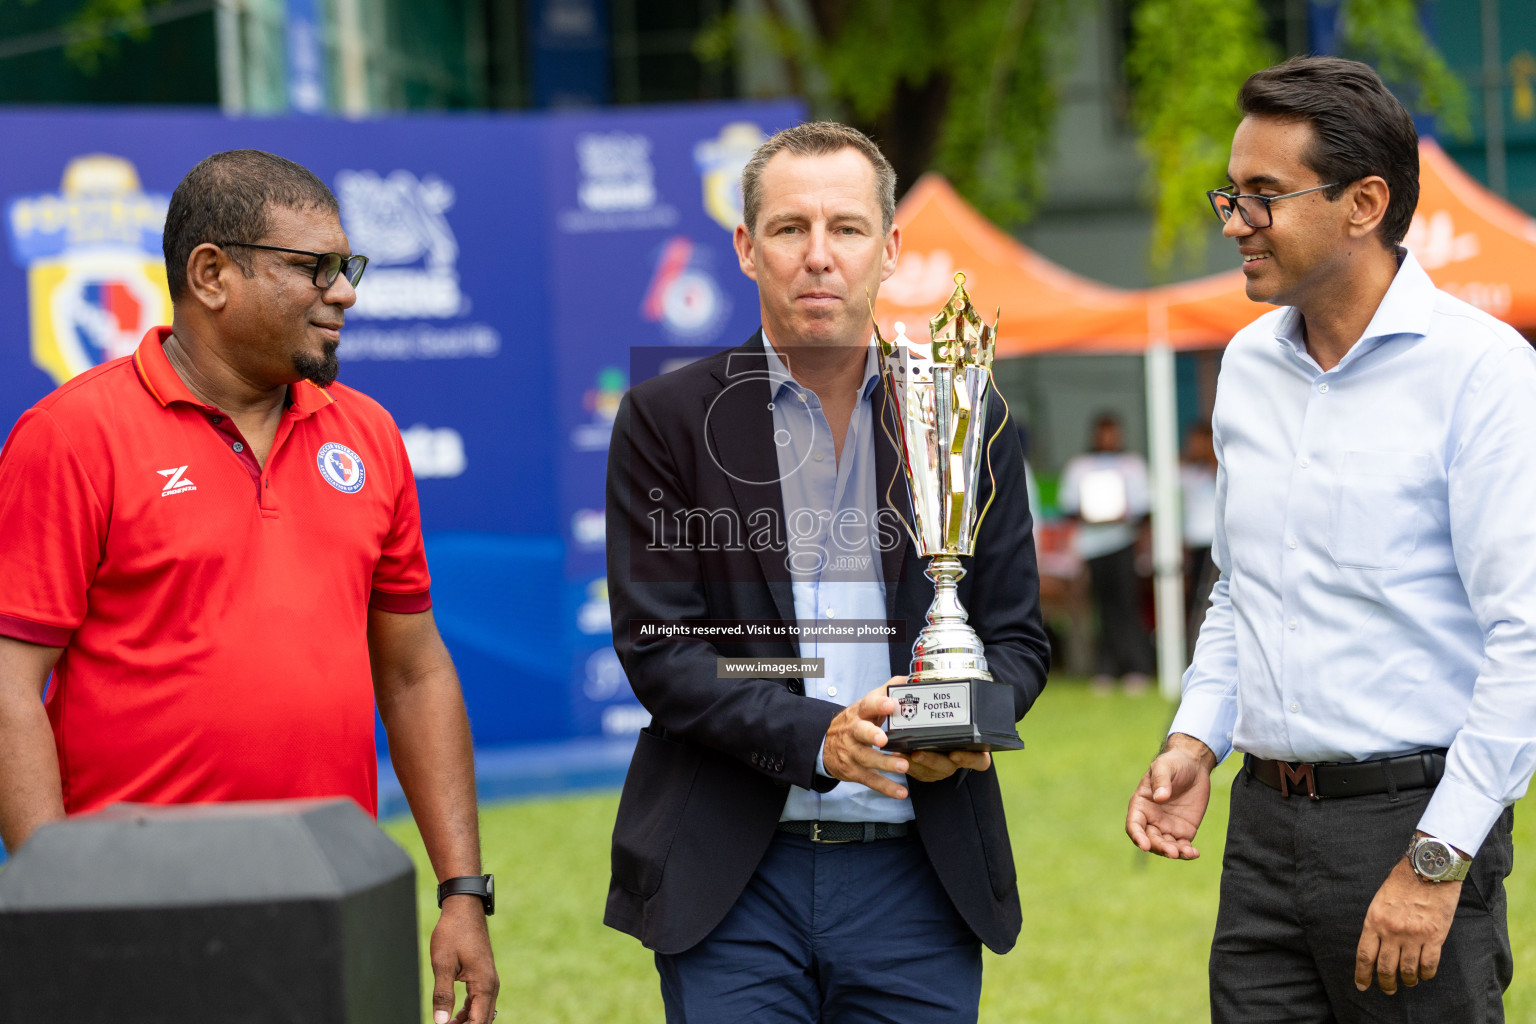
(945, 571)
(947, 648)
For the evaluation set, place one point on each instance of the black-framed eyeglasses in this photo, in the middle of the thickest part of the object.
(1253, 209)
(328, 265)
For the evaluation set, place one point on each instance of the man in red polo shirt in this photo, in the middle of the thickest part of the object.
(217, 555)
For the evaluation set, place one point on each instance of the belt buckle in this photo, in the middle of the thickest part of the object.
(816, 835)
(1301, 773)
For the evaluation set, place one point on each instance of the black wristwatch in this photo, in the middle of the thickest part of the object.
(483, 886)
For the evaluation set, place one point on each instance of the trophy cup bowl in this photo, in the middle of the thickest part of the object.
(940, 391)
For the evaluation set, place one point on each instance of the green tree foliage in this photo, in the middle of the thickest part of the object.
(963, 87)
(1386, 35)
(1189, 57)
(96, 27)
(967, 87)
(93, 29)
(1187, 60)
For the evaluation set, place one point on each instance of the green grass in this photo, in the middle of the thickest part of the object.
(1110, 934)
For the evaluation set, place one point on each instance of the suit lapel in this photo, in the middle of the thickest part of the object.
(739, 427)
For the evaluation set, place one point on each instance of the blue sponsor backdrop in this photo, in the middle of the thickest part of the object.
(515, 261)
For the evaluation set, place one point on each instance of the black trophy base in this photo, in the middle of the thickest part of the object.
(957, 714)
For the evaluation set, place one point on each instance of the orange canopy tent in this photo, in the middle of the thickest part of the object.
(1044, 306)
(1473, 244)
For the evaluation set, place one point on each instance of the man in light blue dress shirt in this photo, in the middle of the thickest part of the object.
(1371, 643)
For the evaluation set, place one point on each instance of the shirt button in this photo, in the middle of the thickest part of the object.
(831, 614)
(239, 447)
(1295, 708)
(1290, 624)
(1322, 389)
(1305, 462)
(802, 399)
(1291, 543)
(217, 420)
(819, 457)
(831, 691)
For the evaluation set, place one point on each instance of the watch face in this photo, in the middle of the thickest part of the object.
(1432, 859)
(490, 885)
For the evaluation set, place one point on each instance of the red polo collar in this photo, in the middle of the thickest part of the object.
(162, 381)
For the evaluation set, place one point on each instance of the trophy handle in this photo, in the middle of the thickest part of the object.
(900, 447)
(991, 475)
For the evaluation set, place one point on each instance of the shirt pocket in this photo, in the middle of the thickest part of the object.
(1377, 509)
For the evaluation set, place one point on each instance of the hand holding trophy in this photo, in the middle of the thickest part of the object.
(940, 391)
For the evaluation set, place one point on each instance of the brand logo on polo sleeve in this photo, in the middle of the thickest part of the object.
(341, 466)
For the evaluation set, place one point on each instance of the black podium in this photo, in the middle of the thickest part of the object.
(285, 911)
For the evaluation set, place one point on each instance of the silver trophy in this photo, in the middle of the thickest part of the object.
(940, 390)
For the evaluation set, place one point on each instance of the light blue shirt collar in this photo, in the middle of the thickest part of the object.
(1405, 310)
(778, 371)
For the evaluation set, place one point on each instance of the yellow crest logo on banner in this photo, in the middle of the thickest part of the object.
(720, 162)
(95, 274)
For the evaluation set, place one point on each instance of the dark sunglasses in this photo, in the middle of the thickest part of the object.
(328, 265)
(1253, 209)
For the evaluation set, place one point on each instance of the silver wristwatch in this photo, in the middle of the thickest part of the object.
(1435, 860)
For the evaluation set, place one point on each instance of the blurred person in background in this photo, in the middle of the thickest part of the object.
(216, 552)
(1371, 643)
(1105, 491)
(1197, 488)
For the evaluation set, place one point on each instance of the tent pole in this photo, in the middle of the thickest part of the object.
(1167, 525)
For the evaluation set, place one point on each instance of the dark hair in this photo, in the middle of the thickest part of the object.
(817, 138)
(1358, 128)
(1106, 419)
(225, 198)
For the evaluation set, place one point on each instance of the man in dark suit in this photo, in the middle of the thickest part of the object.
(781, 865)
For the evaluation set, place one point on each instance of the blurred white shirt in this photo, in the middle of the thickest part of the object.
(1376, 532)
(1109, 491)
(1197, 486)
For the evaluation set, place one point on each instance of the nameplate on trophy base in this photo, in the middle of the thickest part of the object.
(924, 706)
(961, 714)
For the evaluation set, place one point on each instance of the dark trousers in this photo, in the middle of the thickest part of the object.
(1123, 645)
(1296, 881)
(847, 932)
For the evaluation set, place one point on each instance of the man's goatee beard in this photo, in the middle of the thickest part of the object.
(320, 372)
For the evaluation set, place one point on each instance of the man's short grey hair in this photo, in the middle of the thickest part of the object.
(817, 138)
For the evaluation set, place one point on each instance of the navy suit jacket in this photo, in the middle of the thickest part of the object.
(693, 454)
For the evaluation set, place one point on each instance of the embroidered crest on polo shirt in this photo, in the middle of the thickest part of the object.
(341, 466)
(176, 481)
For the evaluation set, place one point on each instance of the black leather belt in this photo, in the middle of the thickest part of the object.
(846, 831)
(1333, 779)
